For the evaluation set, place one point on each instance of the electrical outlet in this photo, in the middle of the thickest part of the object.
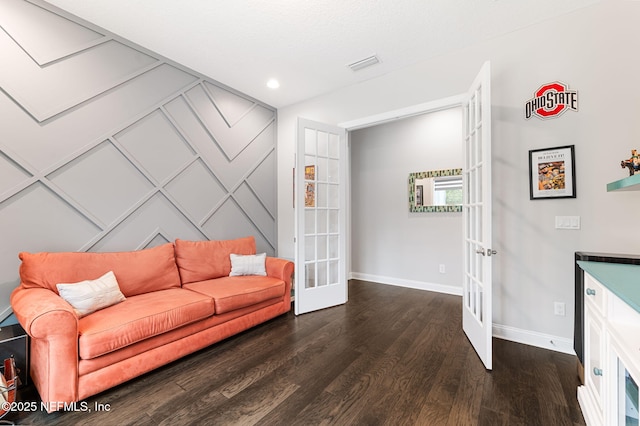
(441, 268)
(559, 309)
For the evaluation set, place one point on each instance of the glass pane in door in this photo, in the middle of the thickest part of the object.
(631, 400)
(310, 275)
(628, 397)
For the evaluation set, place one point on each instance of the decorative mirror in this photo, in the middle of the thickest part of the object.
(435, 191)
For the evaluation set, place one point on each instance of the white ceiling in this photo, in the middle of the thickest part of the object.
(307, 45)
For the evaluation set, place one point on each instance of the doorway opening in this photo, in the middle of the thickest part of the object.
(401, 234)
(477, 236)
(477, 204)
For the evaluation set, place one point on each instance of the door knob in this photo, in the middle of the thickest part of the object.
(488, 252)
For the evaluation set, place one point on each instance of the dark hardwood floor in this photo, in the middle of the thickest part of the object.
(390, 356)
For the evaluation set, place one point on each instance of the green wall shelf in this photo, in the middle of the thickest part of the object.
(631, 183)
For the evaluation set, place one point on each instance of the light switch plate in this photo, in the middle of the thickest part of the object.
(567, 222)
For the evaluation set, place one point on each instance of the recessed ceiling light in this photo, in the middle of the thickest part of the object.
(273, 84)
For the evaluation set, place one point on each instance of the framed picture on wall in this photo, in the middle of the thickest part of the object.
(310, 187)
(310, 172)
(310, 195)
(552, 173)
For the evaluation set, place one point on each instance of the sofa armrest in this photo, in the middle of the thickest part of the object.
(279, 268)
(42, 313)
(53, 327)
(283, 269)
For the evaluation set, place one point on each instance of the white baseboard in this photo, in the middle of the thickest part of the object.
(518, 335)
(534, 338)
(420, 285)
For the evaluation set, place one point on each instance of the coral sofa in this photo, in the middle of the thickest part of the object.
(178, 298)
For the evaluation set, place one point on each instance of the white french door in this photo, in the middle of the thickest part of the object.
(320, 204)
(477, 285)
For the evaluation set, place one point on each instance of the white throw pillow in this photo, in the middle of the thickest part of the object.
(252, 264)
(92, 295)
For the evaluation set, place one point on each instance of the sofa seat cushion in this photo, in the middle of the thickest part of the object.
(140, 317)
(230, 293)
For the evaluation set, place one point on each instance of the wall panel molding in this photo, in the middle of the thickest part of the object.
(131, 151)
(23, 22)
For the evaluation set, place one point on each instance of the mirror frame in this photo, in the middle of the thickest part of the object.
(430, 209)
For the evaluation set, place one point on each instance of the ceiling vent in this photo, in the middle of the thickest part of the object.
(364, 63)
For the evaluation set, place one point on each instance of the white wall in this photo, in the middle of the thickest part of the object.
(389, 244)
(594, 50)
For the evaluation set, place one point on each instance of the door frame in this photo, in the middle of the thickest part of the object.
(399, 114)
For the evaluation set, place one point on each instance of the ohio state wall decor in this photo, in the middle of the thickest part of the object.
(551, 100)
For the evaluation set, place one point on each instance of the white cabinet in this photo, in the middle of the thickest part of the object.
(595, 295)
(591, 395)
(611, 357)
(594, 359)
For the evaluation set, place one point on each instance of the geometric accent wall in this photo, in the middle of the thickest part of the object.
(105, 146)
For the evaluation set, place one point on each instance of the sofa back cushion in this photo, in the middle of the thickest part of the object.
(205, 260)
(137, 272)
